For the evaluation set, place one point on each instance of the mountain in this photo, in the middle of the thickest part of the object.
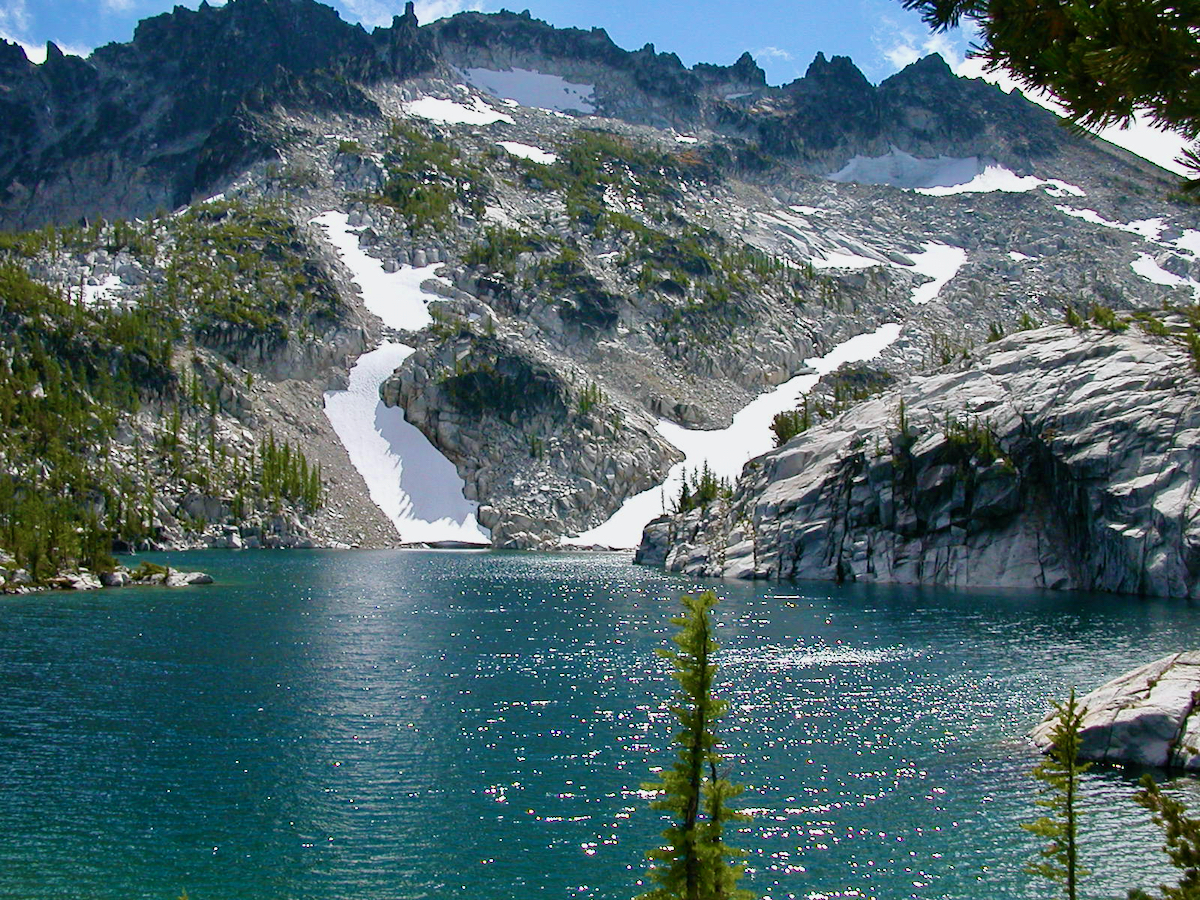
(499, 280)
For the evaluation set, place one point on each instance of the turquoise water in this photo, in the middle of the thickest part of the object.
(422, 724)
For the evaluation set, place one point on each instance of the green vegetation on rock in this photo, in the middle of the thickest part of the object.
(427, 177)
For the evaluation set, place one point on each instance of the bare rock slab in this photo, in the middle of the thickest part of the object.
(1147, 716)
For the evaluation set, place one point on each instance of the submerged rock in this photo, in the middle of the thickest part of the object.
(1147, 716)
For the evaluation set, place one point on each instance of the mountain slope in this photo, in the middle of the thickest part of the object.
(599, 254)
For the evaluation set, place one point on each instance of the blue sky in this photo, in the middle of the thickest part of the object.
(783, 35)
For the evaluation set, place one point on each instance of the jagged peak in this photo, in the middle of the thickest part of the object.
(12, 55)
(835, 68)
(931, 68)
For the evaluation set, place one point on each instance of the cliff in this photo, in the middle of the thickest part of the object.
(1055, 458)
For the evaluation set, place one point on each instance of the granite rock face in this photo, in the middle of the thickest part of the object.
(1056, 459)
(1145, 717)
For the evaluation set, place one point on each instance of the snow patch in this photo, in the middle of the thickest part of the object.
(1147, 228)
(1189, 242)
(1018, 257)
(940, 262)
(533, 154)
(415, 486)
(535, 89)
(726, 451)
(687, 139)
(396, 297)
(1147, 267)
(998, 178)
(902, 170)
(447, 112)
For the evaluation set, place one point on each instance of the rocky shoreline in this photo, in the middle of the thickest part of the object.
(1059, 458)
(145, 575)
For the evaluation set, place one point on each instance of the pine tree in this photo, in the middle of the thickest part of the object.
(1059, 773)
(693, 862)
(1103, 59)
(1182, 834)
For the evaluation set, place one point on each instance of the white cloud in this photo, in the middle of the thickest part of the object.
(901, 46)
(772, 53)
(1140, 137)
(429, 10)
(14, 17)
(117, 6)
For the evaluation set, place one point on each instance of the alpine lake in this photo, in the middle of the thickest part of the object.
(420, 724)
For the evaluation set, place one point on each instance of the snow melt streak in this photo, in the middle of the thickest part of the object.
(728, 450)
(415, 486)
(396, 297)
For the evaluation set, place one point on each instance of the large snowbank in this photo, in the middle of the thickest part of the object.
(900, 169)
(448, 112)
(998, 178)
(415, 486)
(727, 450)
(535, 89)
(944, 175)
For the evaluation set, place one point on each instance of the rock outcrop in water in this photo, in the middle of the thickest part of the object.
(1057, 459)
(1146, 717)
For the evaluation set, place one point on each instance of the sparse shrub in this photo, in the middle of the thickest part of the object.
(1104, 317)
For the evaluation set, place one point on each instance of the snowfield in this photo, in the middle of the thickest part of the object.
(940, 262)
(902, 170)
(448, 112)
(998, 178)
(726, 451)
(945, 175)
(525, 151)
(534, 89)
(396, 297)
(415, 486)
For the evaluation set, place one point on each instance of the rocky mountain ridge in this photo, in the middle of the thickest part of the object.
(599, 245)
(159, 121)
